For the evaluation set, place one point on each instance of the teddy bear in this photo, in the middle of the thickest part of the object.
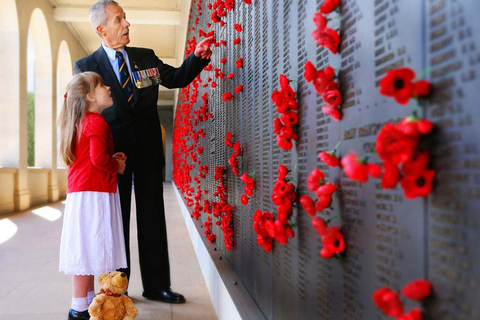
(110, 303)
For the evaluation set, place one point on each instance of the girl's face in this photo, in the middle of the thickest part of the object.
(101, 98)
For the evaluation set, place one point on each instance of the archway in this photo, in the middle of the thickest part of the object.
(44, 124)
(64, 74)
(10, 82)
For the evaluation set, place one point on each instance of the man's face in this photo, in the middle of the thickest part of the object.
(115, 33)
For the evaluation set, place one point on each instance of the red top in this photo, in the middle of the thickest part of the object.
(93, 169)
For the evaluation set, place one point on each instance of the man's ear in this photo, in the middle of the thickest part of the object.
(100, 31)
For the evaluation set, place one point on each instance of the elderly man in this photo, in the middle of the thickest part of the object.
(133, 75)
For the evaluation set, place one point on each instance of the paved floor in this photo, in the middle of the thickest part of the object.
(32, 288)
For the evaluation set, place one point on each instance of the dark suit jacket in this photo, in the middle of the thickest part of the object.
(135, 126)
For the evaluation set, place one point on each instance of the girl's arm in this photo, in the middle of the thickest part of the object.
(97, 136)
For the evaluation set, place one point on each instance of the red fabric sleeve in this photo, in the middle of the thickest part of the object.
(96, 132)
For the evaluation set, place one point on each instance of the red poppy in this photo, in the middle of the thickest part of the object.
(397, 83)
(326, 189)
(239, 88)
(354, 168)
(413, 125)
(333, 243)
(237, 149)
(236, 41)
(422, 88)
(227, 96)
(230, 76)
(289, 118)
(310, 71)
(277, 125)
(329, 158)
(239, 63)
(228, 141)
(287, 133)
(414, 314)
(214, 84)
(320, 225)
(229, 4)
(391, 176)
(332, 112)
(418, 184)
(237, 27)
(388, 301)
(308, 205)
(323, 202)
(244, 199)
(327, 38)
(417, 163)
(223, 60)
(417, 290)
(323, 80)
(374, 170)
(248, 1)
(315, 179)
(320, 21)
(285, 144)
(332, 96)
(394, 146)
(282, 172)
(329, 5)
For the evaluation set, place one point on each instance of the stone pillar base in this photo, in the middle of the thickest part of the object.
(21, 199)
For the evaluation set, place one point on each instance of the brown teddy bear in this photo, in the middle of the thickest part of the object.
(110, 303)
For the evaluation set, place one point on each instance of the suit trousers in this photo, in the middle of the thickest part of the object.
(151, 227)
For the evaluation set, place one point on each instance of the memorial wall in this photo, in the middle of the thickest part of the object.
(391, 238)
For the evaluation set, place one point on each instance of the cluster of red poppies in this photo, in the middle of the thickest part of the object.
(284, 126)
(202, 113)
(397, 145)
(222, 210)
(219, 9)
(324, 36)
(389, 301)
(248, 179)
(324, 83)
(208, 230)
(237, 150)
(332, 239)
(283, 197)
(260, 220)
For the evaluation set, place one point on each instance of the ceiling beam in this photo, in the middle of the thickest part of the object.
(134, 16)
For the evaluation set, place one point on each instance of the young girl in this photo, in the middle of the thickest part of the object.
(92, 237)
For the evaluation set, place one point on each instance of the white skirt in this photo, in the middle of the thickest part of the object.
(92, 236)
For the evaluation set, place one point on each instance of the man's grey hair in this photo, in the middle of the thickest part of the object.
(98, 13)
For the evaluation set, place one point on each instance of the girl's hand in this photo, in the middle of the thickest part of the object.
(120, 156)
(121, 166)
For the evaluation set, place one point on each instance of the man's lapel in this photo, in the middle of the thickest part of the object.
(133, 59)
(109, 77)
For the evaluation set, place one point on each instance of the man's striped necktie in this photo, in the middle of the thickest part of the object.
(125, 80)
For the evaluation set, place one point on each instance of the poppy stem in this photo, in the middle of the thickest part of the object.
(295, 167)
(337, 146)
(327, 220)
(425, 73)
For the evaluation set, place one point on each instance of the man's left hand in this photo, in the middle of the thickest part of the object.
(203, 50)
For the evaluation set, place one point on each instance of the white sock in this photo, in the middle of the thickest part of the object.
(79, 304)
(90, 296)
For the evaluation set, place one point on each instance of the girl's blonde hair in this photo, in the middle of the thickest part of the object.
(73, 112)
